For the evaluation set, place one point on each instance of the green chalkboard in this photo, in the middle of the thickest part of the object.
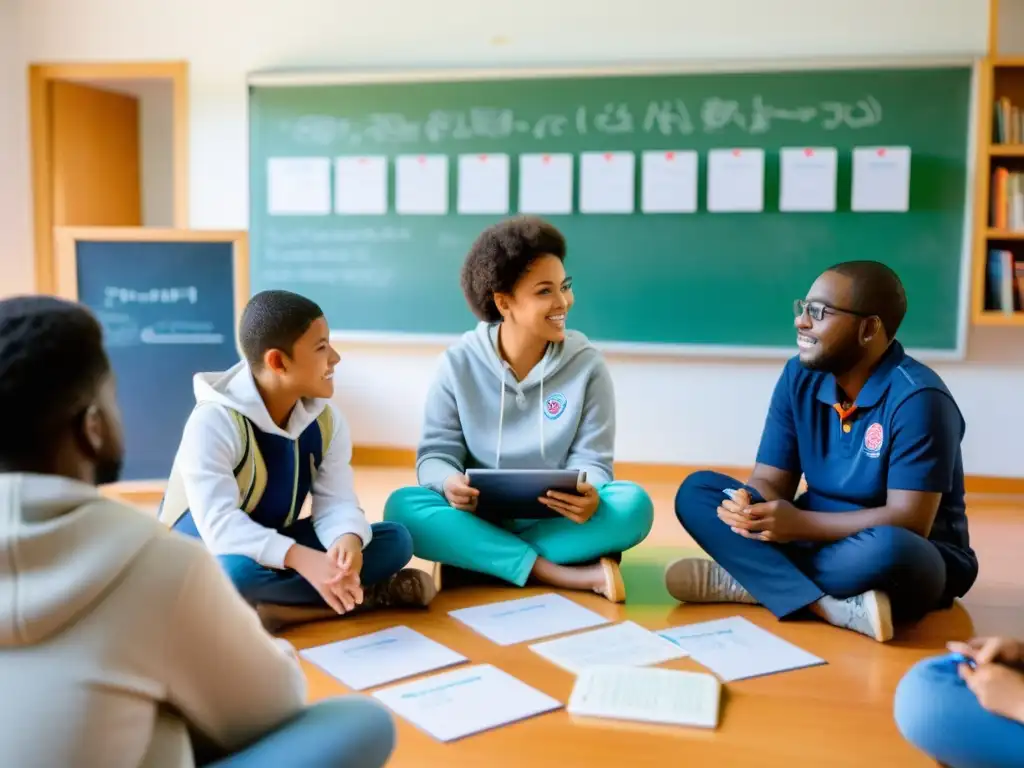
(701, 278)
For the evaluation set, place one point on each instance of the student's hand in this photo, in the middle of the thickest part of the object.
(341, 592)
(459, 493)
(988, 650)
(577, 507)
(347, 553)
(1000, 689)
(775, 521)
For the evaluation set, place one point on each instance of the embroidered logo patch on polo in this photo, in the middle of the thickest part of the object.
(554, 406)
(873, 439)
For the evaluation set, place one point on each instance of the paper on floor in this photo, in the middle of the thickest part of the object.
(465, 701)
(381, 657)
(625, 644)
(528, 618)
(735, 649)
(668, 696)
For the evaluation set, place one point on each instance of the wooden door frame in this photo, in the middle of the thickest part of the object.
(39, 77)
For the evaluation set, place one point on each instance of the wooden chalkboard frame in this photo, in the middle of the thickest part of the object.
(432, 343)
(66, 240)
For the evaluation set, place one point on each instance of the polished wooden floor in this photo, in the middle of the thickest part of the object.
(834, 715)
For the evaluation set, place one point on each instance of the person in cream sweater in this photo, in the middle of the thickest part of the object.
(122, 643)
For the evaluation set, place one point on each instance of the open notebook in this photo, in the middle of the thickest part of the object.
(647, 694)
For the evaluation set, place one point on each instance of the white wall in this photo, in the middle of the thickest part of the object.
(156, 132)
(16, 267)
(693, 411)
(156, 144)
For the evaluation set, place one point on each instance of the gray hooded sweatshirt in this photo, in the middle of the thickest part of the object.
(561, 416)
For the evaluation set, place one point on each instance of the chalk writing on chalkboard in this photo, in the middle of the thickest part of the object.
(180, 332)
(309, 235)
(667, 117)
(112, 296)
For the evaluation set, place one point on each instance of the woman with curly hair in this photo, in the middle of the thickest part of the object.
(522, 392)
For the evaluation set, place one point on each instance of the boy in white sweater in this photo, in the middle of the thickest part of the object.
(123, 644)
(264, 435)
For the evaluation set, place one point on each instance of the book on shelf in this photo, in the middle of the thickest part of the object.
(1004, 285)
(1007, 200)
(1008, 123)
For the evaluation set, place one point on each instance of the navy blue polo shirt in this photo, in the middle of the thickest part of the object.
(903, 432)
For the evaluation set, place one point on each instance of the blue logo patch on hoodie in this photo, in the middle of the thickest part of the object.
(554, 406)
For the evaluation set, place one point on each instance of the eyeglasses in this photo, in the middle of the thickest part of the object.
(818, 309)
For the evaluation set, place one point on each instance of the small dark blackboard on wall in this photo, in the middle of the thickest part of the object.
(169, 302)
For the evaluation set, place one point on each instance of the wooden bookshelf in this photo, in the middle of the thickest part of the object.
(999, 193)
(1006, 150)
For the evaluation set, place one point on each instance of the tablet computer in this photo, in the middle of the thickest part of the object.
(509, 494)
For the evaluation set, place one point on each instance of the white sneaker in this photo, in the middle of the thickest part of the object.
(698, 580)
(869, 614)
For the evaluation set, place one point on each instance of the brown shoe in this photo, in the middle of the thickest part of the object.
(410, 587)
(614, 588)
(277, 617)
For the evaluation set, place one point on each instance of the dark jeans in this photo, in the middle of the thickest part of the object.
(786, 578)
(389, 551)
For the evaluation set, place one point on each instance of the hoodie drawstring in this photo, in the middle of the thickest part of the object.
(519, 399)
(501, 419)
(541, 410)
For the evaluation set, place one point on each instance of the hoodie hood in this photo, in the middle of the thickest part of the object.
(561, 415)
(236, 389)
(62, 546)
(482, 344)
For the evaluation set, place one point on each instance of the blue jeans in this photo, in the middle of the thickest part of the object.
(347, 732)
(389, 551)
(937, 713)
(786, 578)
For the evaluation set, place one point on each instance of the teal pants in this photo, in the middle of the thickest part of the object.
(443, 534)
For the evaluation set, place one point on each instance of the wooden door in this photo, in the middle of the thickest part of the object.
(96, 178)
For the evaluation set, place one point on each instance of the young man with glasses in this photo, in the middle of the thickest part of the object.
(880, 536)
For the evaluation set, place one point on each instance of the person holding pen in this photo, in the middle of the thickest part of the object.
(520, 391)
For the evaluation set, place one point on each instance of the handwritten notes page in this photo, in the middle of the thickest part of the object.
(381, 657)
(669, 182)
(421, 185)
(528, 618)
(298, 186)
(483, 184)
(465, 701)
(808, 179)
(665, 696)
(361, 185)
(607, 182)
(736, 180)
(735, 649)
(881, 179)
(625, 644)
(546, 183)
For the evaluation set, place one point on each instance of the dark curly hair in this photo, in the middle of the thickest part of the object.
(501, 255)
(52, 364)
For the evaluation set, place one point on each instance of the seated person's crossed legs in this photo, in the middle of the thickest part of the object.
(880, 536)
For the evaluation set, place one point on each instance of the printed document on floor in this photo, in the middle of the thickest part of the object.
(735, 649)
(647, 694)
(469, 700)
(625, 644)
(516, 621)
(381, 657)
